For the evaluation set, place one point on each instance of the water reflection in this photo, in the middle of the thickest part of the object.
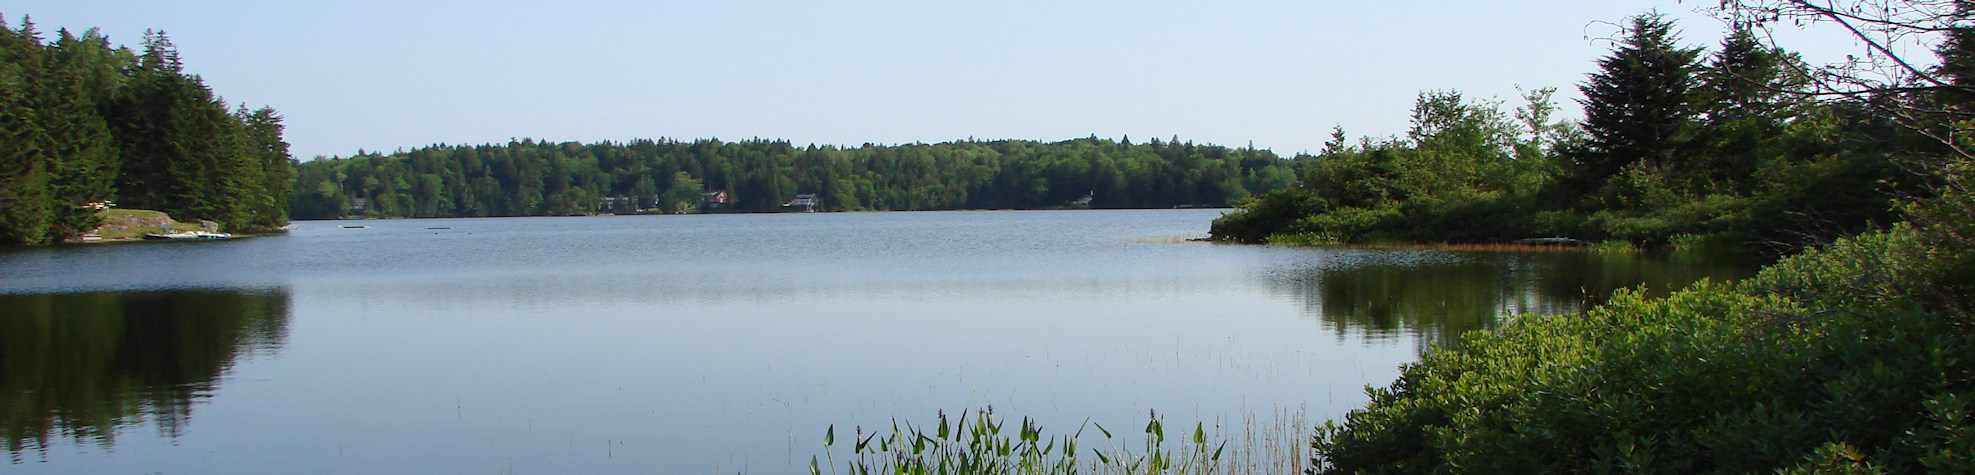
(82, 366)
(1436, 295)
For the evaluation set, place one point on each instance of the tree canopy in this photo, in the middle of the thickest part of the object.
(90, 125)
(1677, 143)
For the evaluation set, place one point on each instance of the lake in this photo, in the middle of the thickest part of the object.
(715, 343)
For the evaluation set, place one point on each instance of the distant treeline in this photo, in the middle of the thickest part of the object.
(535, 178)
(86, 123)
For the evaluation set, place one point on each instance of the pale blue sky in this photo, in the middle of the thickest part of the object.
(381, 75)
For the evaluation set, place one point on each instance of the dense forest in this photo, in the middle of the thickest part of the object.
(533, 178)
(90, 125)
(1852, 356)
(1676, 143)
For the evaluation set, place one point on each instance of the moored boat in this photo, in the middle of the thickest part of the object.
(189, 235)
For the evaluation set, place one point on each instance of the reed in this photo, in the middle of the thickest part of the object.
(976, 443)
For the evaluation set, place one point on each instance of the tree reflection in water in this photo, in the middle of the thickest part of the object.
(1434, 296)
(84, 365)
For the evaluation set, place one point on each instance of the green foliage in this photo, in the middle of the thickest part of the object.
(88, 123)
(1820, 363)
(1455, 178)
(1852, 357)
(528, 177)
(183, 151)
(1251, 223)
(1877, 271)
(1638, 108)
(1670, 147)
(683, 194)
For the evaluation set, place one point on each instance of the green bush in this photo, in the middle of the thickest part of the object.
(1262, 217)
(1826, 362)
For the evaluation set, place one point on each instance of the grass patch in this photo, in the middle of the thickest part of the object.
(1302, 239)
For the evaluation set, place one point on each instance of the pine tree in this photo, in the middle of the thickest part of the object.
(1745, 77)
(25, 198)
(82, 157)
(1638, 108)
(1740, 106)
(24, 192)
(182, 151)
(270, 155)
(1957, 66)
(82, 122)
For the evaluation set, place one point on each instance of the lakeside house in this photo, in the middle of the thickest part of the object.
(806, 201)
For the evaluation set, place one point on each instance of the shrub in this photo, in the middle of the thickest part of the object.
(1842, 359)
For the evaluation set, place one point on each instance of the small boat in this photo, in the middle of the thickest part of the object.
(189, 235)
(359, 226)
(440, 227)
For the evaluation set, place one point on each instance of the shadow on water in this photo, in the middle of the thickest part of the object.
(83, 366)
(1434, 296)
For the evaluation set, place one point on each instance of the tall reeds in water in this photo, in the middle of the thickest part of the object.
(974, 443)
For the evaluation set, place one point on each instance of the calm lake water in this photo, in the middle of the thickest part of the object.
(711, 343)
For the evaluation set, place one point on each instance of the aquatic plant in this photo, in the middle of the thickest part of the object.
(975, 443)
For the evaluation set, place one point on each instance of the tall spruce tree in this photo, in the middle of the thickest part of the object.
(268, 155)
(82, 157)
(1740, 107)
(1957, 66)
(1638, 108)
(24, 193)
(1744, 79)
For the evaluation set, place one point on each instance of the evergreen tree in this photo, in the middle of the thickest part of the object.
(268, 154)
(1744, 79)
(82, 157)
(1638, 109)
(25, 199)
(182, 151)
(1957, 66)
(86, 123)
(1740, 108)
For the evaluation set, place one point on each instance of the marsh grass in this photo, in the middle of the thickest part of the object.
(1613, 246)
(978, 442)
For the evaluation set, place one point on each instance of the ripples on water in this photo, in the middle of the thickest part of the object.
(709, 343)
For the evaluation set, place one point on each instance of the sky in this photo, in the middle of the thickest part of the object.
(388, 75)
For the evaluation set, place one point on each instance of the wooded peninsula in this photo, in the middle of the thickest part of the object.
(91, 126)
